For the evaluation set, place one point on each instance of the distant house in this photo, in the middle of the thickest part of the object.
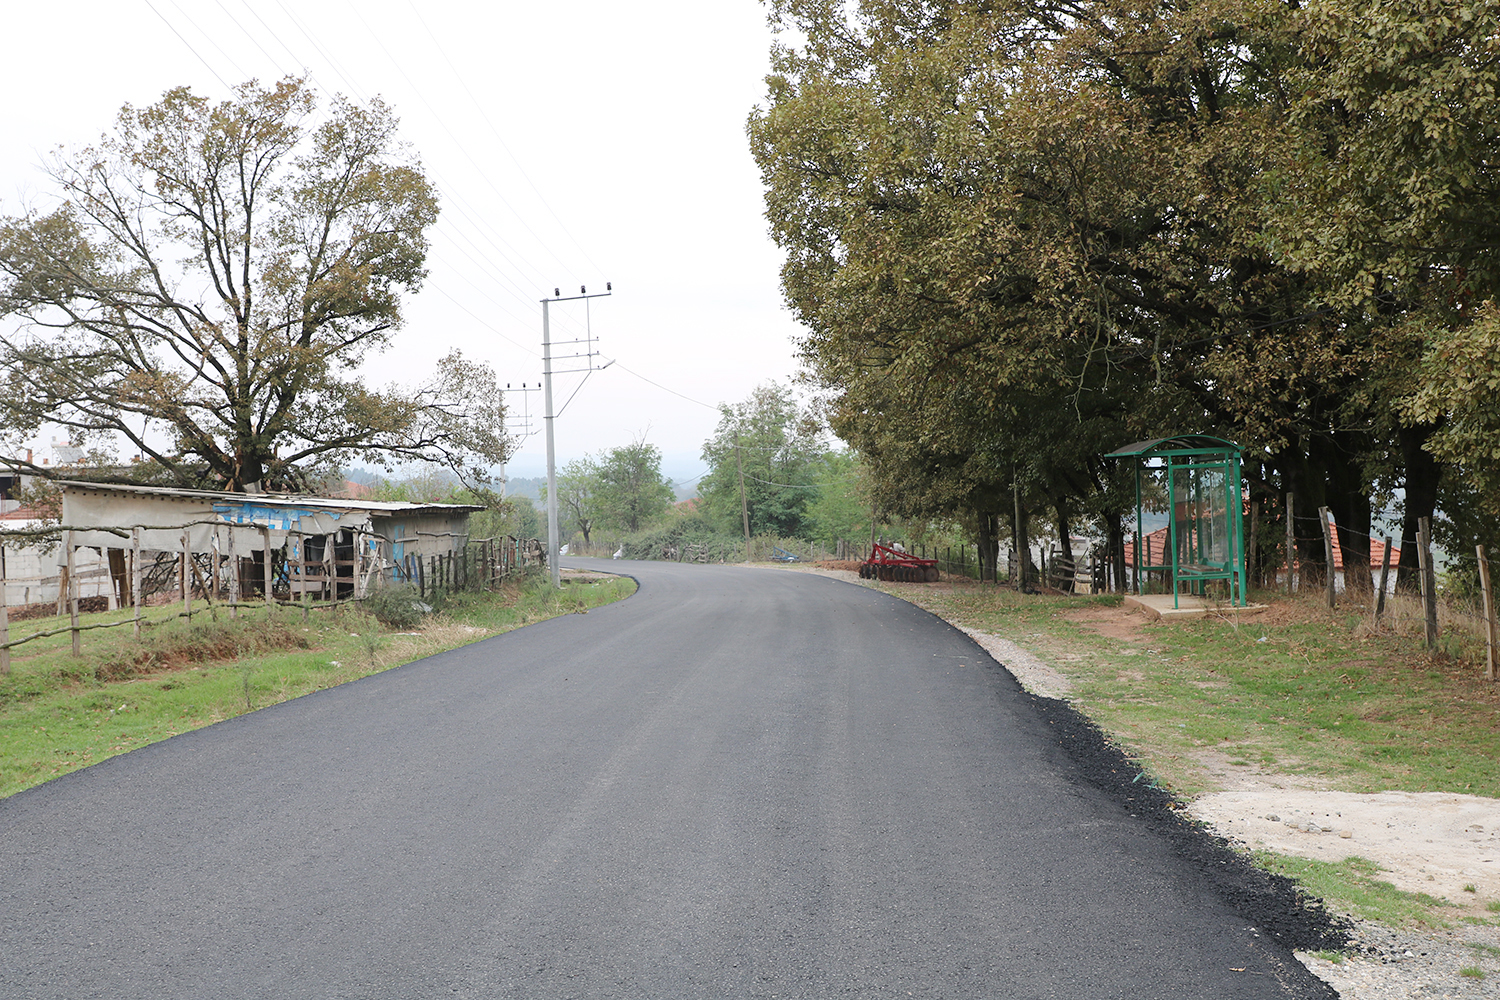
(322, 546)
(1155, 545)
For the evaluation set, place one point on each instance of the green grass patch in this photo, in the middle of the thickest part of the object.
(1353, 886)
(59, 712)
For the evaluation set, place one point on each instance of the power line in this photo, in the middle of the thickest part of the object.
(498, 138)
(206, 64)
(663, 388)
(255, 41)
(461, 146)
(227, 57)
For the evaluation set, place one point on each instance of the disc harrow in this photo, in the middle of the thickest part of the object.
(894, 565)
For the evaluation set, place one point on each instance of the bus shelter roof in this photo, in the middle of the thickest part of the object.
(1182, 444)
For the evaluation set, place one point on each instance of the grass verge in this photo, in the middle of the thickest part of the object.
(1353, 886)
(59, 713)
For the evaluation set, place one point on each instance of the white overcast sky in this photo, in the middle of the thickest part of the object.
(572, 144)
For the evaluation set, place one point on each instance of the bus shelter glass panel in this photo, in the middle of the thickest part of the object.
(1201, 515)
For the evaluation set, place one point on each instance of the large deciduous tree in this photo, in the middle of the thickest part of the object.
(631, 489)
(1019, 233)
(209, 283)
(619, 488)
(777, 446)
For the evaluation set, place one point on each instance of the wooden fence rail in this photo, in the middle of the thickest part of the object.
(290, 569)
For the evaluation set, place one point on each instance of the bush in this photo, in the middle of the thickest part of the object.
(397, 607)
(682, 535)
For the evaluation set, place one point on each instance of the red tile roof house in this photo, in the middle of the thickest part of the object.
(1156, 553)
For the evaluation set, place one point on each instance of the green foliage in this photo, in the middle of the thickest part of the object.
(779, 447)
(212, 276)
(681, 535)
(622, 489)
(838, 509)
(630, 489)
(397, 607)
(577, 504)
(1458, 392)
(1021, 234)
(524, 520)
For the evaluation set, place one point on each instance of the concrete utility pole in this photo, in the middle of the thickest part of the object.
(552, 566)
(588, 356)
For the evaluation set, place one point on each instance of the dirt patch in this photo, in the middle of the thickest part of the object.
(1120, 624)
(1432, 842)
(86, 606)
(584, 576)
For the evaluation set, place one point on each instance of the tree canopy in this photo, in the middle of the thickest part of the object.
(210, 282)
(1020, 234)
(621, 488)
(778, 445)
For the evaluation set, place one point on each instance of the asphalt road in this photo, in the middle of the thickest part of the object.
(738, 783)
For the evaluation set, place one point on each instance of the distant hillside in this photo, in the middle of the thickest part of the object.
(517, 486)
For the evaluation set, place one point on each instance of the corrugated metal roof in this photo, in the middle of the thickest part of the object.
(390, 507)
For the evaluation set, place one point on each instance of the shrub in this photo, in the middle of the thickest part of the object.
(682, 535)
(397, 607)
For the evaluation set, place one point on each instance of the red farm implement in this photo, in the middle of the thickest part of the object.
(886, 563)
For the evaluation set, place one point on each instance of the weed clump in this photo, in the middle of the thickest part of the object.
(178, 646)
(397, 607)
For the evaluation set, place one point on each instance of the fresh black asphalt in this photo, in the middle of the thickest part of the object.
(737, 783)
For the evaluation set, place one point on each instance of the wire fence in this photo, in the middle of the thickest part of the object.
(1459, 608)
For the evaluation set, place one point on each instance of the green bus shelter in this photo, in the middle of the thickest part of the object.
(1195, 480)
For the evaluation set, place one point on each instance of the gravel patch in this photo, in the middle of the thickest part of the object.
(1388, 964)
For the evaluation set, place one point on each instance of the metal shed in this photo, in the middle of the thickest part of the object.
(321, 546)
(1195, 480)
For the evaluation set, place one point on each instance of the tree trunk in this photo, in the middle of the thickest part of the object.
(1422, 475)
(988, 545)
(1115, 534)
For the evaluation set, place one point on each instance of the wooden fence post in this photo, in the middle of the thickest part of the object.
(1328, 553)
(73, 596)
(1491, 629)
(265, 534)
(301, 571)
(1385, 575)
(1429, 581)
(187, 593)
(234, 577)
(1291, 541)
(135, 578)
